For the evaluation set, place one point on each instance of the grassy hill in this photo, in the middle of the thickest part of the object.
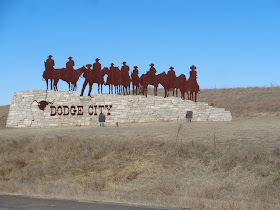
(242, 102)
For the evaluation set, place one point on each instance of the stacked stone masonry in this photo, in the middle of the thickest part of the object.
(25, 112)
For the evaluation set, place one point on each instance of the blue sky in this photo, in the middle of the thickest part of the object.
(232, 43)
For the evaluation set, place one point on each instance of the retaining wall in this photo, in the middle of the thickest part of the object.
(66, 108)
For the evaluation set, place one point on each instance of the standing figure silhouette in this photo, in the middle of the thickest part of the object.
(70, 71)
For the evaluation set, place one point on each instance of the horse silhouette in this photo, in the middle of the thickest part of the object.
(114, 79)
(48, 75)
(144, 84)
(103, 72)
(70, 77)
(183, 85)
(62, 74)
(163, 80)
(90, 79)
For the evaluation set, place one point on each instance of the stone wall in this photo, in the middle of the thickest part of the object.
(66, 108)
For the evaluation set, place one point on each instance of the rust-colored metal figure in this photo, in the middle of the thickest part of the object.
(97, 73)
(48, 73)
(117, 79)
(144, 83)
(110, 76)
(194, 87)
(135, 80)
(69, 73)
(61, 74)
(125, 78)
(120, 80)
(163, 80)
(183, 85)
(114, 79)
(152, 80)
(88, 75)
(104, 71)
(171, 78)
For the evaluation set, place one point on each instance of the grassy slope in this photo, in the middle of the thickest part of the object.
(242, 102)
(141, 171)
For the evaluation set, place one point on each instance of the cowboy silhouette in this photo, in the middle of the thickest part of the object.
(193, 74)
(124, 69)
(96, 70)
(194, 87)
(70, 64)
(125, 78)
(135, 70)
(152, 74)
(49, 64)
(69, 68)
(112, 72)
(135, 79)
(88, 79)
(171, 78)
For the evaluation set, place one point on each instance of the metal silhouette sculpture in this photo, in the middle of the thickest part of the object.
(67, 74)
(119, 80)
(97, 73)
(171, 78)
(135, 80)
(194, 87)
(110, 78)
(101, 82)
(125, 78)
(49, 70)
(114, 79)
(152, 80)
(88, 75)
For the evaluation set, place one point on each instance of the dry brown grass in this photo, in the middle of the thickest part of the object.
(245, 102)
(164, 164)
(149, 167)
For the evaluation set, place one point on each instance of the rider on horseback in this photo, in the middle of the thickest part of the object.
(194, 87)
(49, 64)
(135, 79)
(124, 70)
(193, 74)
(135, 70)
(125, 78)
(152, 73)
